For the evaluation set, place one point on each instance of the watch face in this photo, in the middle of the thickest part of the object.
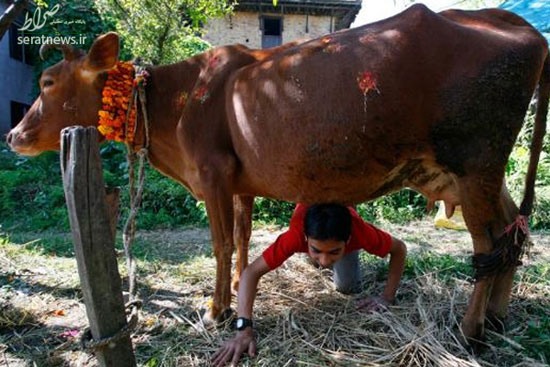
(240, 323)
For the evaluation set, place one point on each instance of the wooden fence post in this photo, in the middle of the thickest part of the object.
(112, 198)
(94, 243)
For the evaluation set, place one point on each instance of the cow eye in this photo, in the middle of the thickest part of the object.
(47, 83)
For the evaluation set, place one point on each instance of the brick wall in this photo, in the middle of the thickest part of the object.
(244, 28)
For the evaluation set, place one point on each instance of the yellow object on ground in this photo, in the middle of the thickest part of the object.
(455, 222)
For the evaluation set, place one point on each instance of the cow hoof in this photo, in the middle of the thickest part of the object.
(495, 323)
(214, 319)
(226, 315)
(473, 332)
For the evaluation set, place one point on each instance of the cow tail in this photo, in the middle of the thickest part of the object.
(538, 135)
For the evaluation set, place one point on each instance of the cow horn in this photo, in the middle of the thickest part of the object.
(69, 52)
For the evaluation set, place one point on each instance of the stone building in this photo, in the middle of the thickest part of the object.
(16, 76)
(259, 24)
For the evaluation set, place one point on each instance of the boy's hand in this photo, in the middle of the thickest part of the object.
(234, 348)
(373, 304)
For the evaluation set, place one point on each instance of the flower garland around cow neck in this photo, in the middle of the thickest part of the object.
(117, 118)
(124, 88)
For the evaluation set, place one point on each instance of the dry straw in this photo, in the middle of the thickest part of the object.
(302, 321)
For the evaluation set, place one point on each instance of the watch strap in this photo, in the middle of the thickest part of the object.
(243, 323)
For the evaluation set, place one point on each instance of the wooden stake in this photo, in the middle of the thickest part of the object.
(94, 243)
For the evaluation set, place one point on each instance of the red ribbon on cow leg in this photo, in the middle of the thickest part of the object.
(508, 251)
(521, 222)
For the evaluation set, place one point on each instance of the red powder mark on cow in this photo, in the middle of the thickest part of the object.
(202, 94)
(366, 82)
(366, 38)
(333, 48)
(330, 47)
(213, 62)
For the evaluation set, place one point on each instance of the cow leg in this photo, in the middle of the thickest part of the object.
(499, 299)
(497, 309)
(243, 206)
(218, 196)
(479, 197)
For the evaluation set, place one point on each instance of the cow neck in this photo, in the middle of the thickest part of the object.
(168, 90)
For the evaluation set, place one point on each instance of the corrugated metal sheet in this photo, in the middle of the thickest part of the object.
(536, 12)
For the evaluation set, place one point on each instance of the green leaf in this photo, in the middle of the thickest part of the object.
(165, 32)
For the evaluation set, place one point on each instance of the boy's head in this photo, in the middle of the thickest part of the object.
(327, 228)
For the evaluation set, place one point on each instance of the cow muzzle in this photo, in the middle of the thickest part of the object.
(21, 143)
(9, 138)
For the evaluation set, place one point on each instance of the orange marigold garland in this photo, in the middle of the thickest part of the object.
(117, 93)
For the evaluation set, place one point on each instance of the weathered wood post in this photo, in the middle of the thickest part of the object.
(94, 243)
(112, 198)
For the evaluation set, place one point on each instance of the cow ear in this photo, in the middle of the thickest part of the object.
(103, 54)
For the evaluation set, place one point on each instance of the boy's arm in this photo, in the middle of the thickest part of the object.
(244, 340)
(398, 254)
(248, 286)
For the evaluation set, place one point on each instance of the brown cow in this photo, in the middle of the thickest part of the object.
(429, 101)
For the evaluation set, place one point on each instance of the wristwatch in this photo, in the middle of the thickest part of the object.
(243, 323)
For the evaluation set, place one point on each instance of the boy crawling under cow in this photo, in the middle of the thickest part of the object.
(332, 236)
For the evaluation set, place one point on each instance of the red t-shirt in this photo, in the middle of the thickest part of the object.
(363, 236)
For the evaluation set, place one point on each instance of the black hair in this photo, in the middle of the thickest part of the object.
(327, 222)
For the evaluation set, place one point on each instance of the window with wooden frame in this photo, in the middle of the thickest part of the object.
(272, 31)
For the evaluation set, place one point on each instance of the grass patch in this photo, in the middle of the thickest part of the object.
(14, 319)
(535, 338)
(536, 274)
(446, 268)
(58, 244)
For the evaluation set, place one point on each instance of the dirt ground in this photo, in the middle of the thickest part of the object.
(41, 309)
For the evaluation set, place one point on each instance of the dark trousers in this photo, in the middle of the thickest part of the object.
(347, 274)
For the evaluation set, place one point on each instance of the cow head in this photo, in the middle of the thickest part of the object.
(70, 94)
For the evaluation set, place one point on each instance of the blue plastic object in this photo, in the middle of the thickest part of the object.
(536, 12)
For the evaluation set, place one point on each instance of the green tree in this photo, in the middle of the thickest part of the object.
(75, 17)
(163, 31)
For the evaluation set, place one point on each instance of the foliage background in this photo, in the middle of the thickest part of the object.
(160, 32)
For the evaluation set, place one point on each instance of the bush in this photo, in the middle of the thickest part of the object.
(32, 197)
(31, 192)
(166, 203)
(399, 207)
(516, 170)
